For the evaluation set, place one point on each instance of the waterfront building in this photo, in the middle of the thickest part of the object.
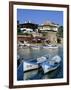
(27, 27)
(47, 26)
(49, 31)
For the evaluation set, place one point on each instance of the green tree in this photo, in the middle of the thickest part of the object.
(60, 31)
(19, 31)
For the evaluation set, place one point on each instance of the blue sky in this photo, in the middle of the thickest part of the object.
(39, 16)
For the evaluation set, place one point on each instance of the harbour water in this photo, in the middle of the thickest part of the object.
(28, 54)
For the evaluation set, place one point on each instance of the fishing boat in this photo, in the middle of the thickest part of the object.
(53, 46)
(51, 65)
(42, 59)
(20, 44)
(35, 47)
(30, 65)
(33, 63)
(50, 46)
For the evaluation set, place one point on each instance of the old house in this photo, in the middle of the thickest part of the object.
(49, 31)
(27, 27)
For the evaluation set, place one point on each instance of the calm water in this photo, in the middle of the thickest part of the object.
(28, 53)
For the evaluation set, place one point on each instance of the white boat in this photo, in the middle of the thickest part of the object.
(52, 64)
(26, 66)
(42, 59)
(50, 46)
(34, 63)
(35, 47)
(23, 44)
(26, 44)
(45, 47)
(30, 65)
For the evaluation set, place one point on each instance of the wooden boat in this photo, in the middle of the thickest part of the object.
(52, 64)
(35, 47)
(33, 63)
(30, 65)
(42, 59)
(50, 46)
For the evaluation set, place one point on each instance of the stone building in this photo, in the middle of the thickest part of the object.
(49, 31)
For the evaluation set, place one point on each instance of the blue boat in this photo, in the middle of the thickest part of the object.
(52, 64)
(30, 65)
(43, 61)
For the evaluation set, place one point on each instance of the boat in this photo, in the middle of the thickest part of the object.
(50, 46)
(42, 59)
(51, 65)
(33, 63)
(35, 47)
(30, 65)
(21, 45)
(26, 44)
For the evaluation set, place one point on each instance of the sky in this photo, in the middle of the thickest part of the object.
(39, 16)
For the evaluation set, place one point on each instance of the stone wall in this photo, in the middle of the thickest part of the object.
(52, 37)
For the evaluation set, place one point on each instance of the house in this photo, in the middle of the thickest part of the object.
(27, 27)
(49, 31)
(48, 26)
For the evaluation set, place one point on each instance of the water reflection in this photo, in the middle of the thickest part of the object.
(29, 74)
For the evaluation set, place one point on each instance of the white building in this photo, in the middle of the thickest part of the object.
(48, 26)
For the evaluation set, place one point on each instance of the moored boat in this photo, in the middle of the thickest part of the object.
(52, 64)
(50, 46)
(42, 59)
(30, 65)
(35, 47)
(34, 63)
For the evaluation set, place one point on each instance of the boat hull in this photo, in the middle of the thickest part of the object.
(52, 64)
(29, 66)
(35, 47)
(49, 47)
(46, 70)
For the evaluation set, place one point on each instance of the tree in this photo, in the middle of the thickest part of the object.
(18, 31)
(60, 32)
